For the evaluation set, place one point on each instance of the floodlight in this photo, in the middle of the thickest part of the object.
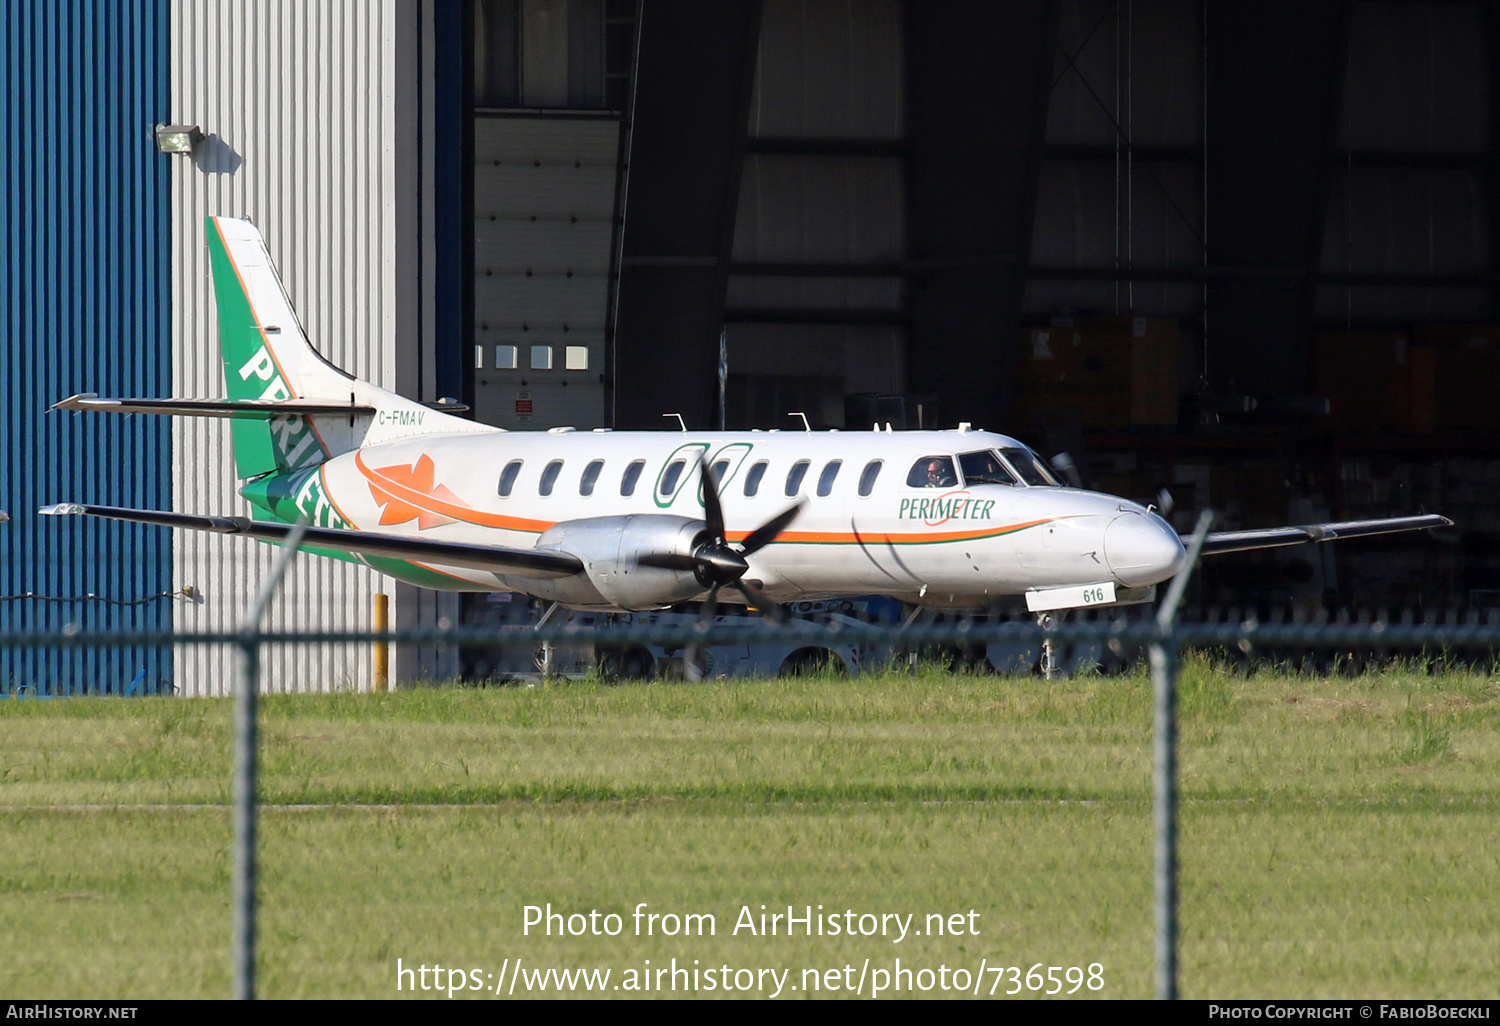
(178, 138)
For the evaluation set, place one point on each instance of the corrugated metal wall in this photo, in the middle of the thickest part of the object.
(1122, 72)
(544, 205)
(83, 307)
(823, 183)
(302, 106)
(1416, 88)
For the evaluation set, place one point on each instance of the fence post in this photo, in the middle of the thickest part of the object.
(243, 887)
(246, 742)
(1164, 653)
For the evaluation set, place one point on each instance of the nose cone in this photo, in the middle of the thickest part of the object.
(1142, 549)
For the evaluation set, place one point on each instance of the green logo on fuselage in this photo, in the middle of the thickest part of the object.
(942, 508)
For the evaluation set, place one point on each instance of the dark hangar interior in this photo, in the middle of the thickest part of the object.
(1240, 252)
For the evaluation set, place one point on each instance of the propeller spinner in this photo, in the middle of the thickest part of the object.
(718, 564)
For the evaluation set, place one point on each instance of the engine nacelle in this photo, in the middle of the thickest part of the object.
(610, 548)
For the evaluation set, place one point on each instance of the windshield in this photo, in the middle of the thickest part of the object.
(985, 468)
(1029, 466)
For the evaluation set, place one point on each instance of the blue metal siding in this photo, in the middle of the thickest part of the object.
(84, 307)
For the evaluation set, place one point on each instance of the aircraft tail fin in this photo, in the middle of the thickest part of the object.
(269, 360)
(265, 351)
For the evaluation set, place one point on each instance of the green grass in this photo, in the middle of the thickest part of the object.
(1338, 838)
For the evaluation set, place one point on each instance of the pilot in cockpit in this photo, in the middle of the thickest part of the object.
(940, 474)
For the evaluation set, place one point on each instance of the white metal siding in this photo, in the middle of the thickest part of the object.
(544, 195)
(297, 100)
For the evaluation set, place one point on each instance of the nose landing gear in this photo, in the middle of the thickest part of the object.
(1050, 669)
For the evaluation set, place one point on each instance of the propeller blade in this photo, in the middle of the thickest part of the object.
(1165, 502)
(766, 533)
(692, 657)
(1063, 463)
(669, 561)
(757, 600)
(713, 512)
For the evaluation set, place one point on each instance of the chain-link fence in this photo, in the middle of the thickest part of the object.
(1298, 645)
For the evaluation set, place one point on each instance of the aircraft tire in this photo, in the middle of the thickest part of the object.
(630, 663)
(808, 661)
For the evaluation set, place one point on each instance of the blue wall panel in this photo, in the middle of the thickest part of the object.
(84, 307)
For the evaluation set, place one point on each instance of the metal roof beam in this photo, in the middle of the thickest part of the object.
(1275, 84)
(980, 76)
(693, 75)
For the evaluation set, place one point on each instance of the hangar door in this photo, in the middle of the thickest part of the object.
(544, 195)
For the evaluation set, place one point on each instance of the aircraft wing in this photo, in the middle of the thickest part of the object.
(493, 558)
(251, 409)
(1272, 537)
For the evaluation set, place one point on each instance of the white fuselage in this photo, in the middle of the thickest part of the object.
(921, 535)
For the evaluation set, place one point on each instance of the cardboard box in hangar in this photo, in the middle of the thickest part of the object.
(1439, 377)
(1100, 371)
(1376, 379)
(1466, 374)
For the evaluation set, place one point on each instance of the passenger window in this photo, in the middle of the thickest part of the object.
(590, 475)
(825, 480)
(932, 472)
(549, 476)
(985, 468)
(632, 475)
(719, 469)
(670, 478)
(867, 479)
(508, 477)
(752, 479)
(794, 477)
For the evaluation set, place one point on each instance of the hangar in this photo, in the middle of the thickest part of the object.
(1240, 252)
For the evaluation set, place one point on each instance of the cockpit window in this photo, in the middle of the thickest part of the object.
(1029, 466)
(718, 469)
(867, 479)
(985, 468)
(932, 472)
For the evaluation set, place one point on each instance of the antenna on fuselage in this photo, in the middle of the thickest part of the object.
(680, 422)
(805, 425)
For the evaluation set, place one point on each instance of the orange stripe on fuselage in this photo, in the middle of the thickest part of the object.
(887, 538)
(469, 515)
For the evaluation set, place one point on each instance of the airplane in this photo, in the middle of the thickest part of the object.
(640, 520)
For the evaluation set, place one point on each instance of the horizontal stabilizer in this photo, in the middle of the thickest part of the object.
(492, 558)
(1273, 537)
(240, 409)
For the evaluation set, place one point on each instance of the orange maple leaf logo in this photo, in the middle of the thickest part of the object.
(417, 478)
